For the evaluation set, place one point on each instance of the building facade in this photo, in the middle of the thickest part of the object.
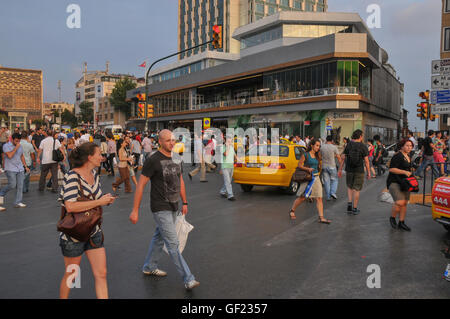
(50, 108)
(21, 96)
(94, 87)
(196, 19)
(318, 73)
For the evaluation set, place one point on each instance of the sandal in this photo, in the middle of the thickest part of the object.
(323, 220)
(292, 214)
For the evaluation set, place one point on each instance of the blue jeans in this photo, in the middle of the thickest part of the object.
(427, 159)
(227, 178)
(26, 181)
(165, 233)
(14, 179)
(330, 181)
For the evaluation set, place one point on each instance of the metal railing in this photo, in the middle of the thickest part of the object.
(433, 178)
(278, 97)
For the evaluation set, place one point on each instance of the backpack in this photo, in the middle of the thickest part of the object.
(354, 156)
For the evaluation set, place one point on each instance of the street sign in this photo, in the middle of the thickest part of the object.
(206, 123)
(440, 66)
(440, 97)
(440, 81)
(441, 109)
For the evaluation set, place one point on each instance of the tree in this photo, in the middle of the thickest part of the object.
(119, 94)
(86, 112)
(69, 118)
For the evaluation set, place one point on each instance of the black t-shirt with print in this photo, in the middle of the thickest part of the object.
(164, 176)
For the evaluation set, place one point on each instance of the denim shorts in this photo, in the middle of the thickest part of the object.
(75, 249)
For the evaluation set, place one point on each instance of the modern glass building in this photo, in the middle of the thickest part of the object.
(319, 73)
(197, 17)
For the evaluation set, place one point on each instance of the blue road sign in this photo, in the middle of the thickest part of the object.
(440, 97)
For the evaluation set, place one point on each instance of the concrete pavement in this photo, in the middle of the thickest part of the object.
(243, 249)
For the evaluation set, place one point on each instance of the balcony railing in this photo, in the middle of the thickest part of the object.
(278, 97)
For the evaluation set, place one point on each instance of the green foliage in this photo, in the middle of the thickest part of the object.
(119, 94)
(86, 112)
(69, 118)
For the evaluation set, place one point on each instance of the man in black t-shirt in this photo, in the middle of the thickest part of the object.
(356, 155)
(167, 186)
(428, 149)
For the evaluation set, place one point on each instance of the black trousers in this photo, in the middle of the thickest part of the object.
(111, 162)
(45, 168)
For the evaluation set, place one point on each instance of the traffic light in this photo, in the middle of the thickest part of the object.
(141, 96)
(140, 112)
(433, 117)
(217, 36)
(425, 110)
(420, 111)
(150, 110)
(425, 95)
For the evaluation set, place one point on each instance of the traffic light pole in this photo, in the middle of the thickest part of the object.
(148, 72)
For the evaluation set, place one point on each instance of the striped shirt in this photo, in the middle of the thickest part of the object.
(71, 191)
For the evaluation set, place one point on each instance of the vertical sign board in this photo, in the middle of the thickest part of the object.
(206, 123)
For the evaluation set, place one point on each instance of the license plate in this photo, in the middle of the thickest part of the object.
(255, 165)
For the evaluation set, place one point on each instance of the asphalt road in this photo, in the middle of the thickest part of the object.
(243, 249)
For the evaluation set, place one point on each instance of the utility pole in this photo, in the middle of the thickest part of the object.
(59, 89)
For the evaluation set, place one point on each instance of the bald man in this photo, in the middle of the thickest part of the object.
(167, 186)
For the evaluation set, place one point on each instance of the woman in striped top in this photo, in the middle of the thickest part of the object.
(84, 159)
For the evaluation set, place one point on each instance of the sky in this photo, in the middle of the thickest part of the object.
(34, 35)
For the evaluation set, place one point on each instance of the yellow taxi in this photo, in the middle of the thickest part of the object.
(178, 148)
(262, 167)
(285, 141)
(238, 143)
(440, 196)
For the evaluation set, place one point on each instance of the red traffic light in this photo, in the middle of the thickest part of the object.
(217, 36)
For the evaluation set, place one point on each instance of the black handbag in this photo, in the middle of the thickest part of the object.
(409, 184)
(57, 155)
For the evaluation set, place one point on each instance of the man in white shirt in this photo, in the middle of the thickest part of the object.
(85, 137)
(48, 164)
(412, 139)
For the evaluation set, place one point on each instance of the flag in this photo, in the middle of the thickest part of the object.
(143, 65)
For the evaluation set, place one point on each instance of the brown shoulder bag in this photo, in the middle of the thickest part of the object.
(81, 225)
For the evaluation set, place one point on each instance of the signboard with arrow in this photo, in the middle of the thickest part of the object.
(440, 66)
(440, 81)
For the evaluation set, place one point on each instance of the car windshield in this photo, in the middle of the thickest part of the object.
(264, 150)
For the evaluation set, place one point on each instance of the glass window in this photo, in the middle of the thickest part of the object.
(271, 10)
(348, 73)
(284, 3)
(447, 39)
(355, 74)
(297, 4)
(447, 6)
(341, 73)
(260, 8)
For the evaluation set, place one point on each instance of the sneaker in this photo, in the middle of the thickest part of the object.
(356, 211)
(192, 284)
(333, 196)
(2, 209)
(20, 205)
(156, 272)
(231, 198)
(350, 209)
(223, 195)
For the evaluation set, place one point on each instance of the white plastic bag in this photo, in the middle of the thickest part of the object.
(141, 160)
(114, 162)
(386, 197)
(182, 228)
